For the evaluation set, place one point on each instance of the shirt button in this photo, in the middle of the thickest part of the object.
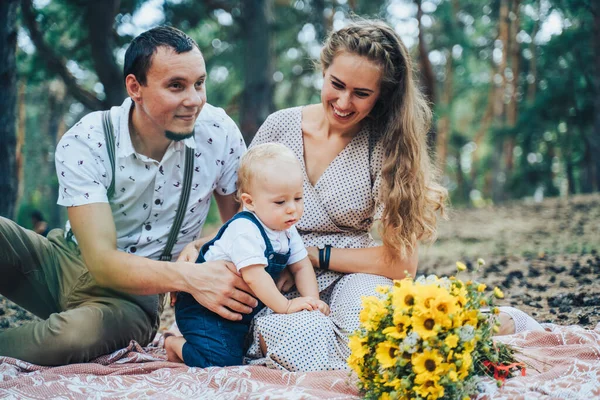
(148, 227)
(132, 249)
(157, 201)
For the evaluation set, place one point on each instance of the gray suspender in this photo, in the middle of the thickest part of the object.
(185, 192)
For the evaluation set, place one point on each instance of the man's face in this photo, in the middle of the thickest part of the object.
(174, 93)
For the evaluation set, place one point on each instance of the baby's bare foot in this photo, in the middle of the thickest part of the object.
(171, 344)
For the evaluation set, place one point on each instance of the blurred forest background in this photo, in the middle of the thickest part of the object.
(515, 84)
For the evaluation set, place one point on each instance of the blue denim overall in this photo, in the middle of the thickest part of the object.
(210, 339)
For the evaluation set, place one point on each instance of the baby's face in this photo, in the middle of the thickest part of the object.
(277, 195)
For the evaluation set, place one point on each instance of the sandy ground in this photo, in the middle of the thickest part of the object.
(545, 256)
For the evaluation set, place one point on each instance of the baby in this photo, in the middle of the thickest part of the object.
(260, 241)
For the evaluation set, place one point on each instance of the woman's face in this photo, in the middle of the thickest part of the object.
(350, 90)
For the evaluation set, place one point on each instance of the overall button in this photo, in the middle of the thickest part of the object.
(148, 227)
(157, 201)
(132, 249)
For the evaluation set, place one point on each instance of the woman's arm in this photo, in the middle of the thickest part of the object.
(369, 260)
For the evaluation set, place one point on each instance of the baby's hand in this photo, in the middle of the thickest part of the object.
(323, 307)
(302, 303)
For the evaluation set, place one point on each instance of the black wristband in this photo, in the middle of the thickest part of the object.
(327, 255)
(324, 255)
(321, 257)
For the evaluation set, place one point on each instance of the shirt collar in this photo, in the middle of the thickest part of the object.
(125, 147)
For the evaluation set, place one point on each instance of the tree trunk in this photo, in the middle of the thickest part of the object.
(484, 126)
(321, 22)
(257, 98)
(595, 138)
(8, 105)
(100, 18)
(445, 121)
(56, 110)
(498, 170)
(513, 106)
(532, 84)
(21, 126)
(427, 76)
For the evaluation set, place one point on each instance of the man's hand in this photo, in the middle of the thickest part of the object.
(218, 286)
(189, 254)
(285, 282)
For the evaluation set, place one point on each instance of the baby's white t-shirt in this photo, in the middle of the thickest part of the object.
(243, 245)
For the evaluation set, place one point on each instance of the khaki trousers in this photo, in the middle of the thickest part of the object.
(80, 320)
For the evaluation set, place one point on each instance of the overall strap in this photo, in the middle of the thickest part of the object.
(109, 136)
(182, 207)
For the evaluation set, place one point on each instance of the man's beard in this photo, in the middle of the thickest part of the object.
(177, 137)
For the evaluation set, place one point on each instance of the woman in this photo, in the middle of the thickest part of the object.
(364, 154)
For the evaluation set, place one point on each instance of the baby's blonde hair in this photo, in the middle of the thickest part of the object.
(253, 162)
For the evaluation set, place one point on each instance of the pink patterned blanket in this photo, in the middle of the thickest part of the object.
(567, 359)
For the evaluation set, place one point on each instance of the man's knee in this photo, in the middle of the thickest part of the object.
(73, 339)
(83, 334)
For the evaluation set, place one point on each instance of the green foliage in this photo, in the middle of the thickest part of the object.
(551, 137)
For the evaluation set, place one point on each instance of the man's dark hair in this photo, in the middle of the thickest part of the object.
(138, 57)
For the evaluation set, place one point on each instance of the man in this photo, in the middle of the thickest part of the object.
(96, 284)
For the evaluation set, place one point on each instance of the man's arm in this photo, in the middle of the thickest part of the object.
(214, 285)
(94, 228)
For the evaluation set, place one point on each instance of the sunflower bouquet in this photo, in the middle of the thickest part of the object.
(428, 338)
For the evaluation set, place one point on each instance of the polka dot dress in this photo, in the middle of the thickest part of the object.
(338, 210)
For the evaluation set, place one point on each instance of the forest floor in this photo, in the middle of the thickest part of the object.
(544, 256)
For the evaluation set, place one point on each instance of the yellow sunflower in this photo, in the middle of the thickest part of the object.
(429, 388)
(357, 353)
(403, 294)
(429, 361)
(470, 317)
(466, 364)
(460, 292)
(395, 383)
(402, 323)
(425, 324)
(451, 340)
(374, 309)
(387, 354)
(443, 307)
(498, 293)
(426, 296)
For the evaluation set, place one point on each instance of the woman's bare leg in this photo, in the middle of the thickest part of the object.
(262, 344)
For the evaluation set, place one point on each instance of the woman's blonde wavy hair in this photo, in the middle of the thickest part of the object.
(401, 117)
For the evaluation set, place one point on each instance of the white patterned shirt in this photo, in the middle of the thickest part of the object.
(147, 192)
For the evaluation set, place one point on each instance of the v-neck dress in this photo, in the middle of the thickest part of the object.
(338, 210)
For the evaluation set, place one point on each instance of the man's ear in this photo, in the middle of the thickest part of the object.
(247, 201)
(133, 88)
